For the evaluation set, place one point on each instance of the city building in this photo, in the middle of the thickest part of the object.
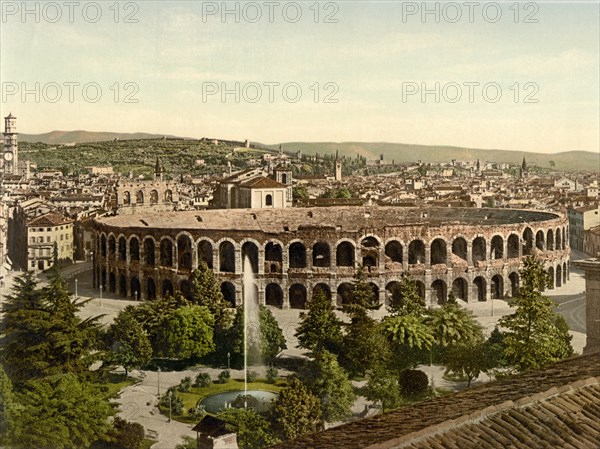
(582, 219)
(10, 154)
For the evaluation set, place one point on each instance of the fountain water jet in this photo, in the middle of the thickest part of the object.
(251, 317)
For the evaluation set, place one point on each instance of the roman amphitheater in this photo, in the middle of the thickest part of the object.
(474, 253)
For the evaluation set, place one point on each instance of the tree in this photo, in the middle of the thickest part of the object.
(467, 360)
(383, 387)
(206, 292)
(406, 300)
(253, 430)
(6, 405)
(127, 343)
(532, 338)
(329, 382)
(364, 346)
(409, 330)
(362, 296)
(59, 412)
(295, 412)
(319, 328)
(452, 324)
(127, 435)
(186, 333)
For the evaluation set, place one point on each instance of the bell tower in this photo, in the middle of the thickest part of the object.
(10, 154)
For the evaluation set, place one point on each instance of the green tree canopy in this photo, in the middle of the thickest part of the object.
(295, 412)
(186, 333)
(319, 328)
(383, 387)
(405, 299)
(253, 430)
(206, 292)
(270, 342)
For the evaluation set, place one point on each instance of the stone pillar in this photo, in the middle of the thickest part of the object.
(591, 268)
(215, 260)
(381, 260)
(238, 261)
(309, 264)
(427, 257)
(261, 261)
(469, 253)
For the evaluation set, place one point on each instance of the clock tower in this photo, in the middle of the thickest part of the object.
(10, 155)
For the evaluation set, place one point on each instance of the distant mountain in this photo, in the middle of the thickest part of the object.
(401, 152)
(64, 137)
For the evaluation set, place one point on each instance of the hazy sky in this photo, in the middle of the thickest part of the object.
(491, 75)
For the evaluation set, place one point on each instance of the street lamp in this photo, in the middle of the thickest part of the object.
(76, 295)
(228, 357)
(100, 295)
(158, 374)
(170, 396)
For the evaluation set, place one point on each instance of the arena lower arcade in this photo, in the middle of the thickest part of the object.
(474, 253)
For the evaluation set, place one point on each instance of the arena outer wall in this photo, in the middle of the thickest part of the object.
(474, 253)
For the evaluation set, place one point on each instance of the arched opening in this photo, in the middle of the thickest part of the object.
(122, 285)
(324, 288)
(103, 246)
(558, 276)
(168, 196)
(126, 199)
(370, 252)
(205, 253)
(564, 239)
(393, 292)
(344, 294)
(185, 287)
(479, 250)
(134, 249)
(112, 282)
(564, 272)
(297, 253)
(167, 288)
(539, 240)
(344, 254)
(149, 258)
(150, 289)
(139, 197)
(284, 179)
(269, 200)
(298, 296)
(513, 246)
(321, 255)
(375, 293)
(103, 280)
(459, 250)
(226, 257)
(514, 284)
(550, 240)
(135, 288)
(228, 291)
(393, 251)
(250, 252)
(153, 197)
(122, 248)
(480, 285)
(527, 242)
(438, 252)
(274, 295)
(460, 289)
(273, 258)
(420, 289)
(184, 252)
(497, 248)
(416, 252)
(497, 287)
(166, 253)
(438, 291)
(558, 244)
(112, 246)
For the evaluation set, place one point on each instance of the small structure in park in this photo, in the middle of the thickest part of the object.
(212, 433)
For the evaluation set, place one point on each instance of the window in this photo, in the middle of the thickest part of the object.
(40, 239)
(48, 239)
(269, 200)
(32, 240)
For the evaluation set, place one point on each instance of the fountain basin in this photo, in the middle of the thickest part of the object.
(219, 401)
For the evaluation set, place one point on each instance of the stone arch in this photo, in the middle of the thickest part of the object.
(345, 254)
(551, 276)
(369, 248)
(559, 275)
(166, 252)
(149, 251)
(416, 252)
(122, 248)
(226, 257)
(321, 254)
(168, 197)
(274, 295)
(513, 246)
(298, 296)
(460, 289)
(564, 239)
(439, 291)
(139, 197)
(497, 247)
(297, 255)
(103, 245)
(205, 253)
(112, 245)
(150, 289)
(269, 200)
(558, 244)
(185, 287)
(273, 257)
(393, 292)
(540, 240)
(393, 250)
(564, 272)
(439, 252)
(478, 248)
(325, 288)
(375, 289)
(123, 285)
(459, 248)
(126, 198)
(184, 252)
(550, 240)
(344, 294)
(514, 284)
(420, 288)
(480, 286)
(167, 288)
(527, 242)
(153, 196)
(134, 249)
(497, 287)
(135, 288)
(228, 292)
(112, 282)
(250, 251)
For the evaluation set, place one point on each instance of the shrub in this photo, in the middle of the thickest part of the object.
(128, 435)
(186, 384)
(272, 375)
(175, 402)
(197, 411)
(413, 382)
(202, 380)
(242, 400)
(224, 376)
(251, 376)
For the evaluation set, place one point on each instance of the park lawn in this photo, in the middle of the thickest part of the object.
(116, 383)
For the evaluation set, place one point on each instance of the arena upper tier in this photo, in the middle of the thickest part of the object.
(475, 253)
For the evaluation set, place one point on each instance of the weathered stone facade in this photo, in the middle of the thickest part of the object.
(474, 253)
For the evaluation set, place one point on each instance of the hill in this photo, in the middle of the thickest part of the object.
(401, 152)
(70, 137)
